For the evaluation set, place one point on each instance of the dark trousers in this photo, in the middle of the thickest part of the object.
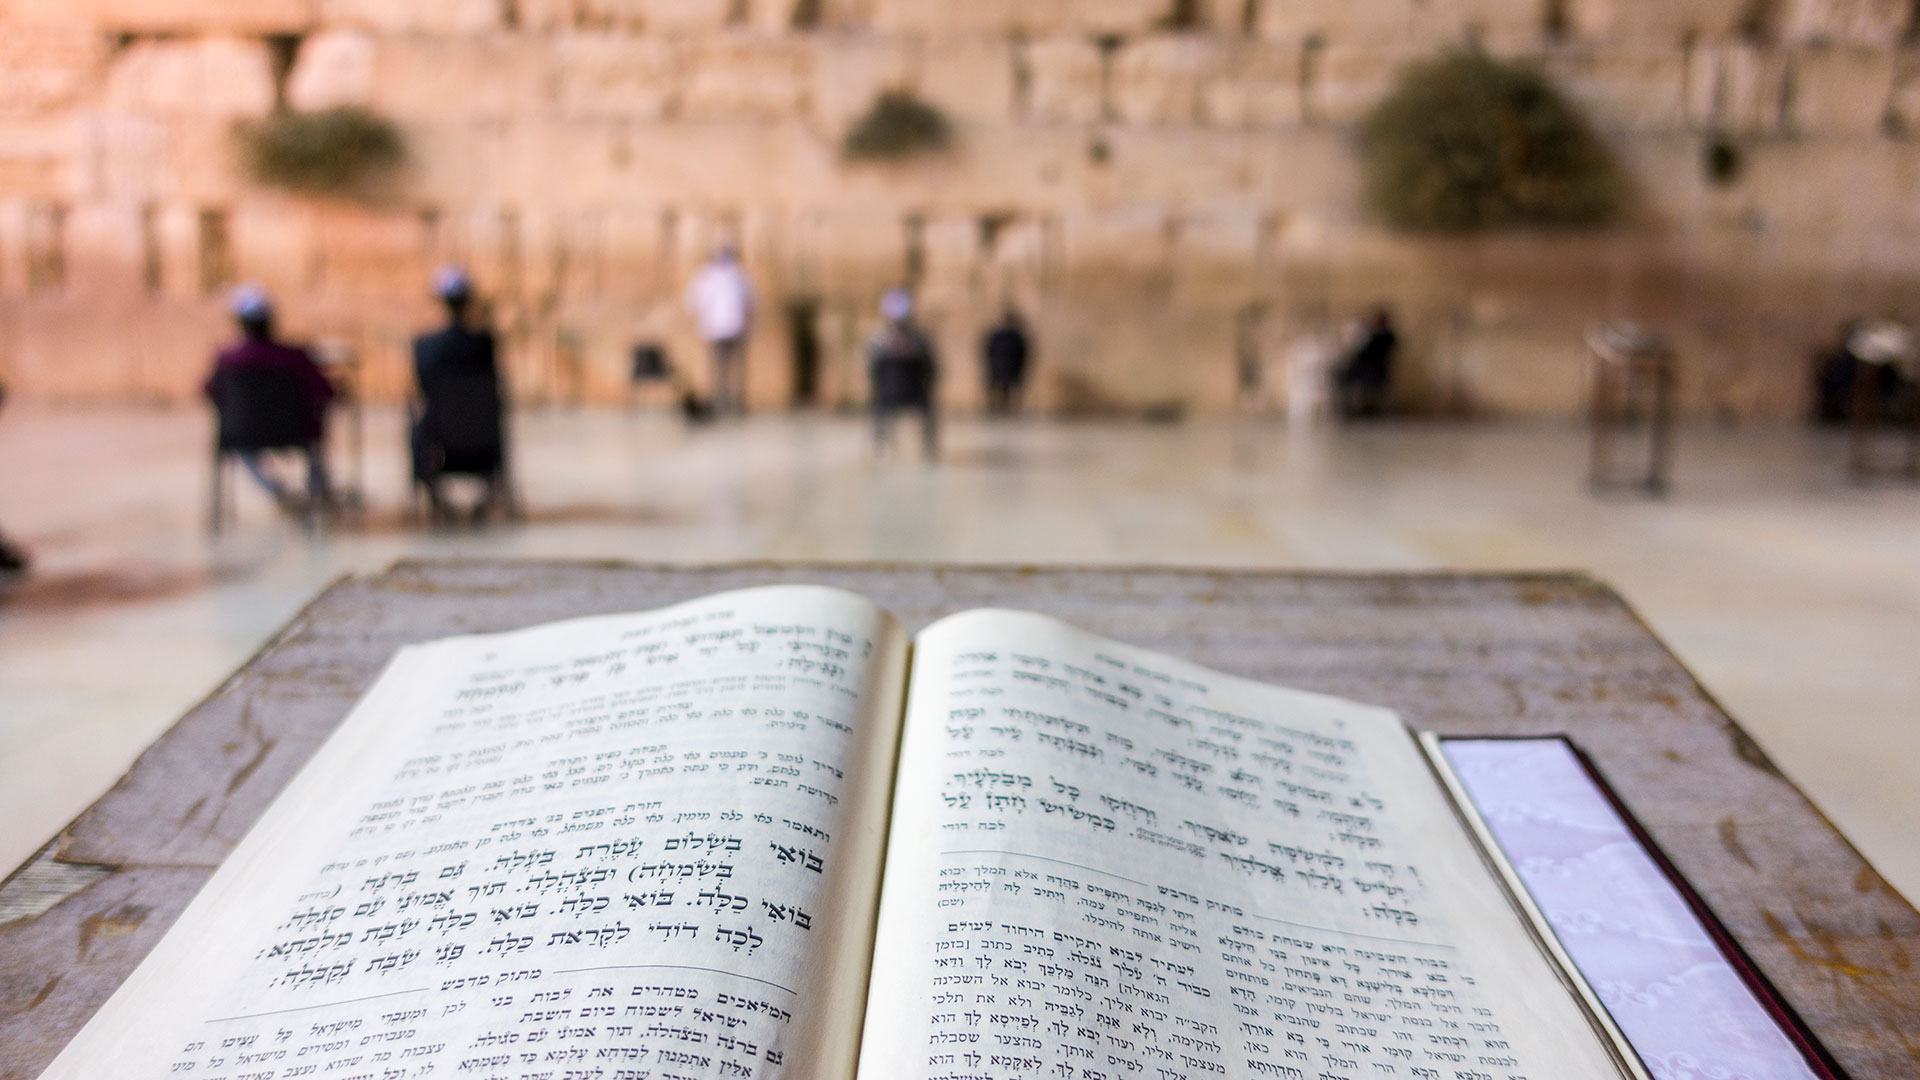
(883, 416)
(730, 376)
(1003, 398)
(318, 487)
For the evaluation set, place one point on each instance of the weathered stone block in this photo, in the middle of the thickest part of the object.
(1066, 81)
(1840, 92)
(333, 68)
(969, 77)
(45, 67)
(1342, 81)
(1124, 250)
(105, 251)
(615, 76)
(1157, 80)
(683, 16)
(39, 157)
(414, 16)
(215, 76)
(273, 244)
(1876, 23)
(129, 157)
(1738, 87)
(747, 78)
(1257, 85)
(1216, 257)
(1033, 18)
(852, 70)
(861, 253)
(1627, 88)
(172, 16)
(469, 77)
(1902, 115)
(1295, 22)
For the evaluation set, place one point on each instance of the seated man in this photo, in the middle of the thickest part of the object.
(271, 395)
(458, 422)
(1362, 381)
(901, 363)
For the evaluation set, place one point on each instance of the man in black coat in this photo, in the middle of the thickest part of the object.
(903, 368)
(458, 423)
(1362, 382)
(1006, 348)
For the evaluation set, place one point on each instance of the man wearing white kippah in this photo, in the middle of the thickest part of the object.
(901, 362)
(259, 358)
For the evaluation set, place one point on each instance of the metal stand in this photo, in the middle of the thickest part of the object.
(1633, 377)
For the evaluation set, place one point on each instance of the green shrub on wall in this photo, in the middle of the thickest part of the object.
(1467, 143)
(343, 151)
(898, 126)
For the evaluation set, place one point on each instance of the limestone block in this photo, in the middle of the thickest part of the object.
(749, 78)
(176, 232)
(128, 157)
(1738, 87)
(1066, 82)
(1840, 91)
(1157, 80)
(202, 161)
(969, 77)
(213, 76)
(1343, 81)
(414, 16)
(45, 67)
(1500, 25)
(1877, 23)
(1903, 102)
(173, 16)
(950, 260)
(1216, 253)
(105, 250)
(615, 75)
(273, 244)
(1124, 250)
(1033, 18)
(40, 156)
(1258, 85)
(1296, 21)
(435, 78)
(1663, 22)
(852, 70)
(1624, 88)
(862, 252)
(333, 68)
(683, 16)
(368, 256)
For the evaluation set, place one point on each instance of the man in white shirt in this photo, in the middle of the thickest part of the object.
(721, 299)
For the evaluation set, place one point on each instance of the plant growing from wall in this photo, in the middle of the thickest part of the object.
(897, 127)
(340, 152)
(1467, 143)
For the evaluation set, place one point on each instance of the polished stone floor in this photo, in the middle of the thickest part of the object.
(1794, 596)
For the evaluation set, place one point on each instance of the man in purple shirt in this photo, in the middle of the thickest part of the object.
(271, 395)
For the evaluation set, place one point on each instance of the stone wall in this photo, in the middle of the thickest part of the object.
(1166, 186)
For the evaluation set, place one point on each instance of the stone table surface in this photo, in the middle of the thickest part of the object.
(1459, 654)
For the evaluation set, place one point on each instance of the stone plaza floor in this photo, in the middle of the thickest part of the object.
(1794, 595)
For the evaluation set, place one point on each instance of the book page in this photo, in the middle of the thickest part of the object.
(1107, 863)
(619, 847)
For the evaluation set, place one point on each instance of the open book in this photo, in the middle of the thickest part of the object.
(764, 834)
